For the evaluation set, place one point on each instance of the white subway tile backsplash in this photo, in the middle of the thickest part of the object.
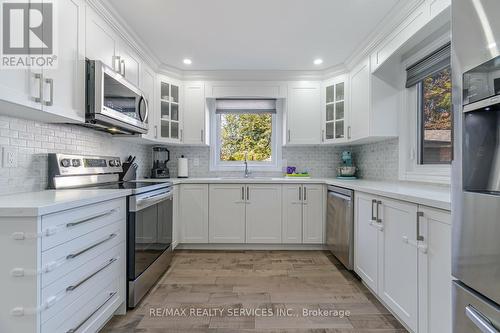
(34, 140)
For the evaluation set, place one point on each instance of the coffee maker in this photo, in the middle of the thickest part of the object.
(161, 156)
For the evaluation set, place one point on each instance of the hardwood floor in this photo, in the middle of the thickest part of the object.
(204, 291)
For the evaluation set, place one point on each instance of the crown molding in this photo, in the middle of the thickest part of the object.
(120, 26)
(397, 15)
(394, 18)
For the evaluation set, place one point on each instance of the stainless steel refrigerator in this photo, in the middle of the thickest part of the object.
(476, 165)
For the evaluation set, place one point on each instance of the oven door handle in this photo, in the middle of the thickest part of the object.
(151, 200)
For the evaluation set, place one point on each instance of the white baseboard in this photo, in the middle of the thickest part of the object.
(294, 247)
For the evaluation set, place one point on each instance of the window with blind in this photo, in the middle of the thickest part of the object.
(245, 128)
(432, 78)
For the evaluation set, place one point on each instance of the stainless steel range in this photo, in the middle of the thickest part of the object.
(149, 220)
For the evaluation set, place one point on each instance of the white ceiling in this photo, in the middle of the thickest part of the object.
(252, 34)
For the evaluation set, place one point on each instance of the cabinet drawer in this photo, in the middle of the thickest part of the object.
(91, 276)
(89, 312)
(69, 256)
(64, 226)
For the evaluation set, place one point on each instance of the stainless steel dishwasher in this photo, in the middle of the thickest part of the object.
(340, 225)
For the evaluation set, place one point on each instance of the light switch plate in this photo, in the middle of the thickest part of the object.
(9, 157)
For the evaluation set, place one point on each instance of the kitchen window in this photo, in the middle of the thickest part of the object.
(435, 122)
(426, 142)
(245, 129)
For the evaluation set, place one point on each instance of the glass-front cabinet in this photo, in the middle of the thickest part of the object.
(170, 119)
(335, 127)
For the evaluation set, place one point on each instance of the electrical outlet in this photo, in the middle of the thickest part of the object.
(196, 162)
(9, 157)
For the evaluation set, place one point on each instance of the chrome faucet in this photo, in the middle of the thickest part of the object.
(247, 173)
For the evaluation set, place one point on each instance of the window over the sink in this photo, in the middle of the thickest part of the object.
(245, 129)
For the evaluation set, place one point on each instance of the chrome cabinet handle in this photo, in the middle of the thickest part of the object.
(50, 102)
(288, 135)
(122, 69)
(348, 132)
(202, 135)
(305, 193)
(116, 60)
(89, 219)
(322, 135)
(156, 131)
(243, 193)
(419, 215)
(300, 193)
(74, 255)
(379, 220)
(248, 193)
(75, 329)
(480, 320)
(38, 77)
(75, 286)
(374, 218)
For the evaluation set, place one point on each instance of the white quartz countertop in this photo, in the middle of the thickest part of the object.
(437, 196)
(50, 201)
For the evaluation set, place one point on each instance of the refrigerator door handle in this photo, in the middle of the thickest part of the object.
(480, 320)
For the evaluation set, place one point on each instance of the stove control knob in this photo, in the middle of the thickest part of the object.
(112, 163)
(65, 162)
(117, 163)
(75, 163)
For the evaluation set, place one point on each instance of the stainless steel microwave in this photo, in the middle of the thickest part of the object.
(113, 104)
(481, 85)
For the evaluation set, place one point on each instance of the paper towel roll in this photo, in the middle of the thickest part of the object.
(182, 167)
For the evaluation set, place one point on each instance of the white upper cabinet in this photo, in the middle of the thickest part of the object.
(52, 94)
(147, 85)
(169, 110)
(227, 213)
(335, 126)
(263, 213)
(64, 86)
(101, 42)
(374, 105)
(129, 63)
(303, 115)
(193, 114)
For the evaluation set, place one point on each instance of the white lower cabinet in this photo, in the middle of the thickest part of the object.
(67, 271)
(292, 214)
(366, 240)
(398, 258)
(303, 213)
(434, 271)
(263, 213)
(402, 253)
(314, 198)
(227, 213)
(193, 213)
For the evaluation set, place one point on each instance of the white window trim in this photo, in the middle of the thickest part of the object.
(409, 168)
(274, 165)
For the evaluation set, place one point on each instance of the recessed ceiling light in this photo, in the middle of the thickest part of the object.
(318, 61)
(187, 61)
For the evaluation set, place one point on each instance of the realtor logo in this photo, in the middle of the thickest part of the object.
(27, 34)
